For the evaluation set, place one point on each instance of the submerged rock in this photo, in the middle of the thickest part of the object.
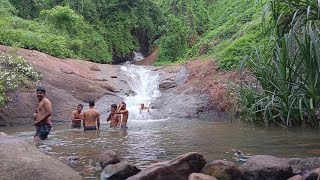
(21, 160)
(178, 168)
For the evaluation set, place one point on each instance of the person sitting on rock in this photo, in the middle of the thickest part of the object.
(77, 116)
(115, 119)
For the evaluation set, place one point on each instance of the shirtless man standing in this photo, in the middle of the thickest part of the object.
(114, 118)
(77, 116)
(143, 108)
(91, 118)
(42, 117)
(125, 114)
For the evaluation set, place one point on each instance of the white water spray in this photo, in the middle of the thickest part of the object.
(145, 83)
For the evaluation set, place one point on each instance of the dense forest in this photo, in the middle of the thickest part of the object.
(276, 42)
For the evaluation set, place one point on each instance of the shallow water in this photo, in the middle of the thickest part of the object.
(150, 141)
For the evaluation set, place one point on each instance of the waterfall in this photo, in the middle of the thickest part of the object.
(145, 83)
(137, 56)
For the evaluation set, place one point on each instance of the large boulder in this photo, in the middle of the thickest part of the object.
(119, 171)
(200, 176)
(22, 160)
(178, 168)
(108, 157)
(266, 167)
(222, 170)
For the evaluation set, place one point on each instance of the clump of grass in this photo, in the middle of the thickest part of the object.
(286, 90)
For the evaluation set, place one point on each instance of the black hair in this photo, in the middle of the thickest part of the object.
(123, 103)
(114, 106)
(91, 103)
(41, 89)
(80, 105)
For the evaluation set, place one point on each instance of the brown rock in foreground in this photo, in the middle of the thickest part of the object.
(21, 160)
(200, 176)
(222, 170)
(178, 168)
(266, 167)
(108, 157)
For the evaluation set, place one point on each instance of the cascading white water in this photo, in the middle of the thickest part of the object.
(145, 83)
(137, 56)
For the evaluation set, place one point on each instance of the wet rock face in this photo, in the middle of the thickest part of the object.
(266, 167)
(22, 160)
(178, 168)
(182, 99)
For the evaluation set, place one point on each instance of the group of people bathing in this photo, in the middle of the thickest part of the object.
(118, 116)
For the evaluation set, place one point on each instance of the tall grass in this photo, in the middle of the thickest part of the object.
(287, 87)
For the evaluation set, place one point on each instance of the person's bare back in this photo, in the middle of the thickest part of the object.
(91, 118)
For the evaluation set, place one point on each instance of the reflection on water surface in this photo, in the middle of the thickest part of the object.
(150, 141)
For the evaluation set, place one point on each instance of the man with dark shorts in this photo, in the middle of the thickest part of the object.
(77, 116)
(124, 114)
(42, 117)
(113, 117)
(91, 118)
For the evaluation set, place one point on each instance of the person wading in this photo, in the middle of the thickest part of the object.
(77, 116)
(91, 118)
(42, 117)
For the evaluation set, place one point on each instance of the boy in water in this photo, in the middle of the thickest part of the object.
(77, 116)
(114, 118)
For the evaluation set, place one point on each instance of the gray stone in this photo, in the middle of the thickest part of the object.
(108, 157)
(178, 168)
(314, 175)
(296, 177)
(119, 171)
(200, 176)
(266, 167)
(22, 160)
(222, 170)
(304, 166)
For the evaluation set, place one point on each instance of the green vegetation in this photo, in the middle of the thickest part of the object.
(277, 42)
(287, 84)
(227, 30)
(96, 31)
(15, 72)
